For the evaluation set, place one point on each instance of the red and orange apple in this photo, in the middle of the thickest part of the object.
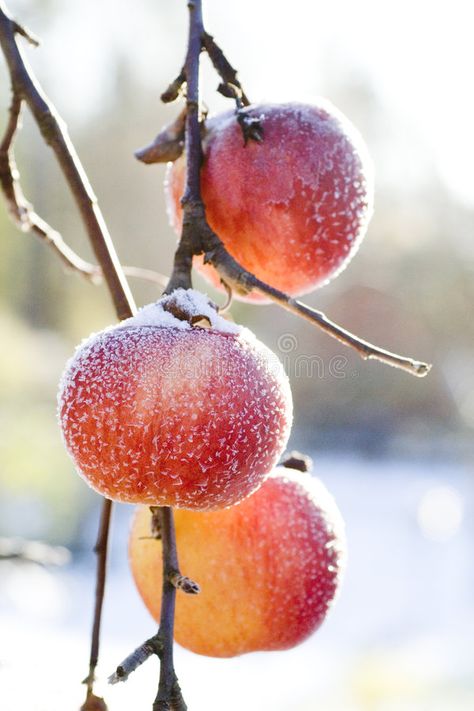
(163, 412)
(268, 568)
(292, 209)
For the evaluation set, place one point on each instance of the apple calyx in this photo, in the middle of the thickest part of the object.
(184, 309)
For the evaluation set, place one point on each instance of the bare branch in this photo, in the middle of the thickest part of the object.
(169, 693)
(29, 36)
(22, 212)
(244, 282)
(174, 89)
(54, 132)
(101, 550)
(146, 275)
(223, 67)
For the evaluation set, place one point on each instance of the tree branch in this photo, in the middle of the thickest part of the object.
(100, 549)
(174, 89)
(223, 67)
(169, 695)
(54, 132)
(198, 238)
(25, 87)
(21, 210)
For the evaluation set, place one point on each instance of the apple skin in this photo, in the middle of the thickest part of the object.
(292, 209)
(269, 567)
(191, 418)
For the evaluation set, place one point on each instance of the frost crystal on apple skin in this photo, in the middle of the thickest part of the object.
(269, 568)
(185, 416)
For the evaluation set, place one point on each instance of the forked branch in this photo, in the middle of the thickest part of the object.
(197, 237)
(25, 87)
(21, 210)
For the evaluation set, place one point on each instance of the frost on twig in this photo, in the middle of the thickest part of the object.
(134, 660)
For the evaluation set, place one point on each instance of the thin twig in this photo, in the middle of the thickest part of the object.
(54, 132)
(199, 238)
(223, 67)
(169, 694)
(182, 582)
(244, 282)
(169, 697)
(174, 89)
(100, 549)
(21, 210)
(146, 275)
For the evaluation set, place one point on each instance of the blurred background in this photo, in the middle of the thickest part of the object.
(397, 452)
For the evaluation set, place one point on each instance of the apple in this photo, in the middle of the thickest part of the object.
(291, 209)
(268, 568)
(163, 411)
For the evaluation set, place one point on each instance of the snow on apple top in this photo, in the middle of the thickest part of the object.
(191, 303)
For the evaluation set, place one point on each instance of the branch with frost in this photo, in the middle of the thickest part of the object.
(197, 237)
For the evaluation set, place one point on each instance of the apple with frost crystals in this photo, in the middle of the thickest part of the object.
(292, 209)
(268, 568)
(160, 410)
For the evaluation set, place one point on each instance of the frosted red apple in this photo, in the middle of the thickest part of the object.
(268, 568)
(162, 412)
(292, 209)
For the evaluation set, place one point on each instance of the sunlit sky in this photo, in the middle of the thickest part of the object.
(418, 57)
